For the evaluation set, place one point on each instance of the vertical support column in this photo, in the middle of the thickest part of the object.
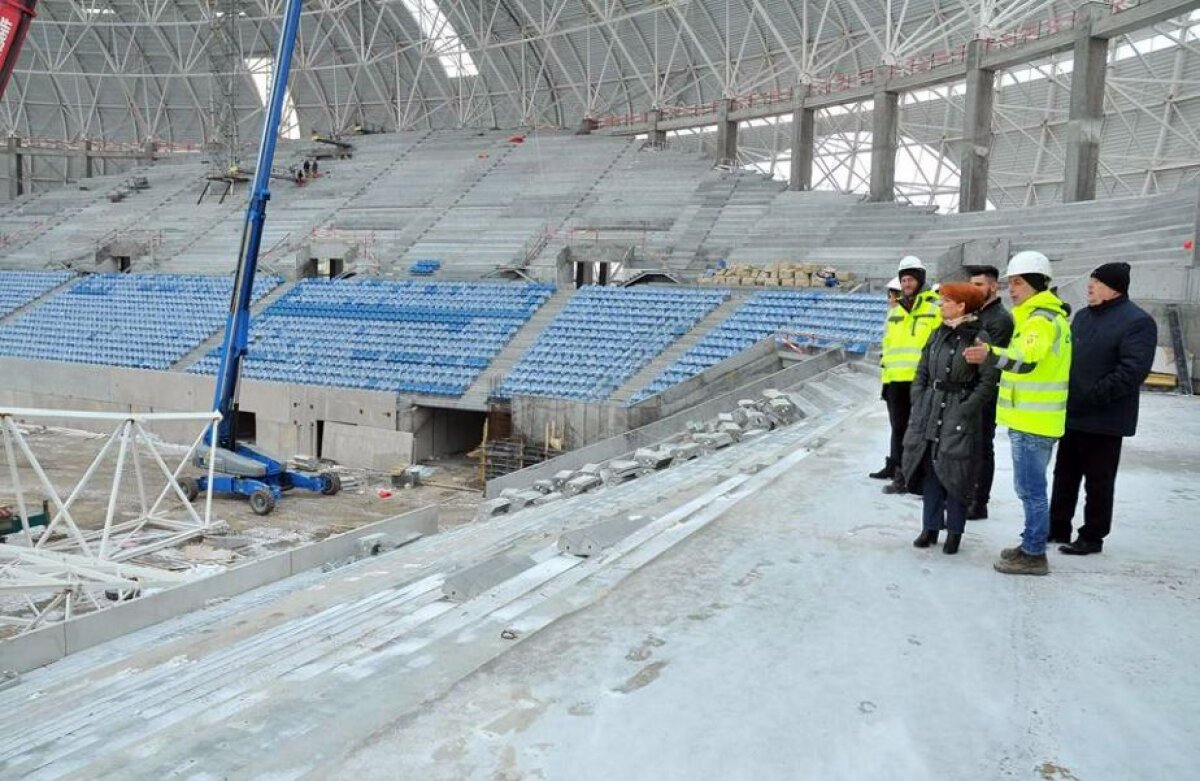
(977, 132)
(88, 173)
(727, 130)
(16, 169)
(1086, 119)
(804, 126)
(148, 150)
(884, 132)
(657, 137)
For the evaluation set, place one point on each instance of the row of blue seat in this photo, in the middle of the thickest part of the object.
(145, 320)
(853, 321)
(603, 337)
(18, 288)
(402, 336)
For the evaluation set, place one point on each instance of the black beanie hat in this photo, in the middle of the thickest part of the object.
(916, 273)
(1115, 275)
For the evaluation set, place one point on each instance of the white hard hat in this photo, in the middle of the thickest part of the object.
(1028, 262)
(909, 263)
(894, 284)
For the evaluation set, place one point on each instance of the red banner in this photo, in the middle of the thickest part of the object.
(14, 21)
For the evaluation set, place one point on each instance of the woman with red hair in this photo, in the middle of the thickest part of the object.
(943, 443)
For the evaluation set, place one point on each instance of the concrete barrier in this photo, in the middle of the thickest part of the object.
(43, 646)
(653, 433)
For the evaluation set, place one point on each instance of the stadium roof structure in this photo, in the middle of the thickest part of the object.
(182, 72)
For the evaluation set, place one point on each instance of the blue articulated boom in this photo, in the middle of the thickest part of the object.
(244, 470)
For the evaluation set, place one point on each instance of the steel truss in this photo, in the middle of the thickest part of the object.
(70, 564)
(144, 69)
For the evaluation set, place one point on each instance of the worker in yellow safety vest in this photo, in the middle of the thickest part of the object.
(905, 333)
(1035, 370)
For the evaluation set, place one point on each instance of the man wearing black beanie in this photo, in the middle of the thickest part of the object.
(1114, 343)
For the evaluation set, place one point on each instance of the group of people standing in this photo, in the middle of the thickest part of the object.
(956, 364)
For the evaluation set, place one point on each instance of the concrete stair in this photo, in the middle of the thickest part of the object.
(548, 255)
(214, 341)
(667, 357)
(476, 395)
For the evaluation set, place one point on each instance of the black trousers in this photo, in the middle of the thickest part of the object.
(898, 396)
(987, 459)
(1092, 459)
(940, 510)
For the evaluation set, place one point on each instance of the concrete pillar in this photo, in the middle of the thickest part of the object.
(977, 132)
(657, 137)
(884, 134)
(88, 173)
(804, 126)
(16, 185)
(1086, 118)
(727, 130)
(148, 150)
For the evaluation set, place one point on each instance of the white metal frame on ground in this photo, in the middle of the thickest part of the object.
(65, 566)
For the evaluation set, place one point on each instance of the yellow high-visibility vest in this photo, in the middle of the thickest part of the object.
(1035, 368)
(905, 334)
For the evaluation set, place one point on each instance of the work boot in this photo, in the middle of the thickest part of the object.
(977, 511)
(1008, 554)
(951, 546)
(896, 486)
(926, 538)
(887, 473)
(1081, 547)
(1023, 564)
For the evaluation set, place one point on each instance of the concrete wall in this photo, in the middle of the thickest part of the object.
(583, 423)
(629, 441)
(761, 360)
(438, 432)
(365, 447)
(286, 414)
(579, 423)
(43, 646)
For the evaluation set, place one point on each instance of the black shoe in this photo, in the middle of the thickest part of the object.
(896, 486)
(951, 546)
(976, 512)
(1063, 538)
(1081, 547)
(926, 538)
(887, 473)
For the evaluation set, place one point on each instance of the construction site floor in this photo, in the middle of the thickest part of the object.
(797, 635)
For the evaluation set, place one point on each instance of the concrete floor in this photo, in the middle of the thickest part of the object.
(301, 516)
(799, 635)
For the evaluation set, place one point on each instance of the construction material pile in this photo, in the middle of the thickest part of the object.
(749, 419)
(778, 274)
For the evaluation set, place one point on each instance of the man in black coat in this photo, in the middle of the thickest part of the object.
(1114, 343)
(998, 324)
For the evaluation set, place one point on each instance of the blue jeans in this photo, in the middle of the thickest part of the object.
(1031, 456)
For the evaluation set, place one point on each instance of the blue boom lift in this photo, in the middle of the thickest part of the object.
(244, 470)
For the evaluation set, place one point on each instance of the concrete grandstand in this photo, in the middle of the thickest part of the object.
(623, 268)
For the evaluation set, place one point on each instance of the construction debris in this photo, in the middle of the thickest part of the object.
(778, 274)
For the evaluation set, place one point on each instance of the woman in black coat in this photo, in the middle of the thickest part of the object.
(943, 444)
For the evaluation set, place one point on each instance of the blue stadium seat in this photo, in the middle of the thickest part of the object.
(853, 321)
(146, 321)
(603, 337)
(419, 337)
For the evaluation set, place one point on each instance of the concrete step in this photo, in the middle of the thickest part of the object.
(477, 393)
(214, 341)
(648, 373)
(21, 310)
